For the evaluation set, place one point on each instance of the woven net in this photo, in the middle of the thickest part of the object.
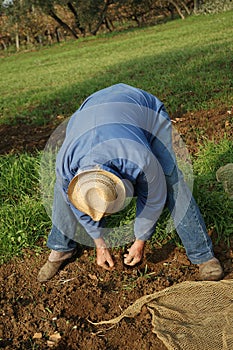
(189, 315)
(225, 175)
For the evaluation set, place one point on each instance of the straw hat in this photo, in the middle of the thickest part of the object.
(97, 193)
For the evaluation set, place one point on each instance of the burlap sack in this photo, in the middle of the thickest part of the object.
(190, 315)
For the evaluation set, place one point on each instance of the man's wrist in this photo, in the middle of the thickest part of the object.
(140, 242)
(100, 243)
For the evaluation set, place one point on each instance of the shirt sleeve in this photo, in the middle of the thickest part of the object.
(64, 221)
(93, 228)
(151, 197)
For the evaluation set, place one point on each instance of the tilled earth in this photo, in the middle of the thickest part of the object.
(56, 314)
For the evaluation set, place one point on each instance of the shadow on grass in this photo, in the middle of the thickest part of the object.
(188, 78)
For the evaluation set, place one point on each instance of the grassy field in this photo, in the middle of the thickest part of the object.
(187, 64)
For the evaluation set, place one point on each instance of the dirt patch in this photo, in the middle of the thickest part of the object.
(24, 138)
(33, 313)
(194, 128)
(55, 315)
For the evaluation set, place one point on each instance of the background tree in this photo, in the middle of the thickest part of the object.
(214, 6)
(14, 12)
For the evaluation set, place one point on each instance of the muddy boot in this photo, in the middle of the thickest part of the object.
(210, 270)
(53, 264)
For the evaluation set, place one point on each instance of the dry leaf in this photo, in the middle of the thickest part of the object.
(92, 277)
(55, 337)
(37, 336)
(51, 343)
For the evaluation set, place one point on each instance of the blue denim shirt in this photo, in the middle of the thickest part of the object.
(126, 131)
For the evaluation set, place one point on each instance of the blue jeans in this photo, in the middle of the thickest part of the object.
(186, 215)
(188, 220)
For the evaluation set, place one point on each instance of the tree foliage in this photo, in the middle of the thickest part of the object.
(213, 6)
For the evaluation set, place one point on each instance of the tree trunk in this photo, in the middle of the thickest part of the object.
(135, 18)
(63, 24)
(108, 24)
(17, 38)
(3, 44)
(28, 39)
(196, 4)
(49, 36)
(178, 9)
(58, 34)
(102, 17)
(185, 7)
(75, 13)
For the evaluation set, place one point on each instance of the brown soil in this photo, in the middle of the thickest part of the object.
(55, 315)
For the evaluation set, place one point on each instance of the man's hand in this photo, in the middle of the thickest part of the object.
(103, 257)
(135, 253)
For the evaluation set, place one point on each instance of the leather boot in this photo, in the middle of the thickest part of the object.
(210, 270)
(53, 264)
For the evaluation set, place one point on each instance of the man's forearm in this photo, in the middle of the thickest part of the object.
(100, 243)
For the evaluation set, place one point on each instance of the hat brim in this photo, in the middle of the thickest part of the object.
(75, 198)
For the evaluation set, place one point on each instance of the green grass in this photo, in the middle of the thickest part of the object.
(23, 219)
(187, 64)
(214, 203)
